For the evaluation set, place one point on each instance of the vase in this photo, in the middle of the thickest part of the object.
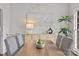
(50, 31)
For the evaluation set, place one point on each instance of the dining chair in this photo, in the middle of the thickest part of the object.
(11, 45)
(66, 43)
(20, 40)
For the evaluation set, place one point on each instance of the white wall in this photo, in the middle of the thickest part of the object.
(19, 11)
(6, 17)
(1, 28)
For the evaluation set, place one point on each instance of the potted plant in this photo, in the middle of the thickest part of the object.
(40, 43)
(66, 29)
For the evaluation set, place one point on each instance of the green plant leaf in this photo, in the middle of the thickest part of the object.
(39, 41)
(65, 31)
(65, 18)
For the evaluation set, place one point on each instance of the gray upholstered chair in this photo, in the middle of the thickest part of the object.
(11, 45)
(20, 40)
(66, 43)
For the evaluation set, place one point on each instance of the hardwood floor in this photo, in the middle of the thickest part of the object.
(30, 49)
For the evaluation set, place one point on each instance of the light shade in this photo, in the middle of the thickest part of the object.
(31, 20)
(29, 26)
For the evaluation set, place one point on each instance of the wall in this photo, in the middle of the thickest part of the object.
(6, 17)
(1, 28)
(19, 12)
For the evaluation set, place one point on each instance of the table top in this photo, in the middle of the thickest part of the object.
(30, 49)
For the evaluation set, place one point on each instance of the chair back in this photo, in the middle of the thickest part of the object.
(20, 40)
(11, 45)
(66, 43)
